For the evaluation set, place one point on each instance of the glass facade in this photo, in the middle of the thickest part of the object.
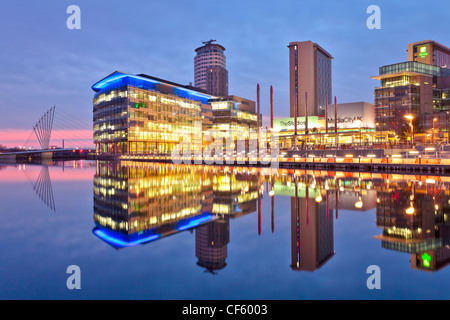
(231, 119)
(412, 66)
(410, 88)
(145, 115)
(393, 102)
(324, 82)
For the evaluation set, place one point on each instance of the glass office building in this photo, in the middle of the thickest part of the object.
(235, 118)
(140, 114)
(144, 115)
(410, 88)
(418, 88)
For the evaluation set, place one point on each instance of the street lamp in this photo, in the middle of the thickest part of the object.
(410, 210)
(410, 118)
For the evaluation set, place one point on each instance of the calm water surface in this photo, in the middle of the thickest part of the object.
(160, 231)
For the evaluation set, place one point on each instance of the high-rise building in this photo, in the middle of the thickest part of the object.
(310, 72)
(210, 71)
(419, 88)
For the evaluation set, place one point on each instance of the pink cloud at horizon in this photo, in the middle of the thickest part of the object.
(27, 138)
(72, 138)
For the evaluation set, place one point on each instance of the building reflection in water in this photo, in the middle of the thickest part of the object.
(414, 215)
(315, 196)
(211, 242)
(137, 203)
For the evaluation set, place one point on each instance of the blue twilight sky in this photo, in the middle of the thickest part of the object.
(42, 63)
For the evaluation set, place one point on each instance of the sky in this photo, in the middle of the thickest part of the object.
(45, 64)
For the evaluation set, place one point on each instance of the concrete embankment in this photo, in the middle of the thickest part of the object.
(330, 163)
(419, 166)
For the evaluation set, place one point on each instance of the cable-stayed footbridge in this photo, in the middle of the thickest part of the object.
(74, 137)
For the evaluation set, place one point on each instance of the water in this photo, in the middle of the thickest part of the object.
(158, 231)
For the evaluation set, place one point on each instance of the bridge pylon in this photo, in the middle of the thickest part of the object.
(43, 128)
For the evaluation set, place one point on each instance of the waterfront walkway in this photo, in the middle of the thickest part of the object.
(371, 162)
(388, 164)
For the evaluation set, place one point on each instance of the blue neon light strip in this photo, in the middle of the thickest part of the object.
(193, 223)
(187, 92)
(119, 76)
(115, 241)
